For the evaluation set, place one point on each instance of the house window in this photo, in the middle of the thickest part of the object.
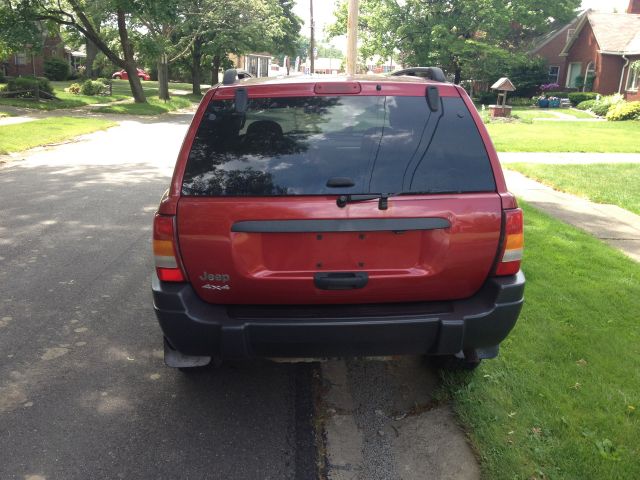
(570, 33)
(575, 69)
(589, 77)
(633, 81)
(21, 58)
(263, 67)
(554, 74)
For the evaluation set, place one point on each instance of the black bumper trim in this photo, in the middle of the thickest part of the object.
(194, 327)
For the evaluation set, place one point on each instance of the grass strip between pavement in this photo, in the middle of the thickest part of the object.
(617, 184)
(599, 137)
(22, 136)
(562, 401)
(154, 106)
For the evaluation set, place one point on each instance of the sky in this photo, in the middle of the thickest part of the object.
(323, 13)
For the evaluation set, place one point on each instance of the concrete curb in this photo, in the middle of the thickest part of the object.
(610, 223)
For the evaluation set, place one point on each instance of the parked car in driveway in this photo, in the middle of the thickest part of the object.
(314, 217)
(123, 75)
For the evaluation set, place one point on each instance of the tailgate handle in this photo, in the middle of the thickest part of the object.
(340, 280)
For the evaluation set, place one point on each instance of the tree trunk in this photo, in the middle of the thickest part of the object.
(215, 68)
(92, 51)
(457, 75)
(163, 78)
(129, 60)
(195, 66)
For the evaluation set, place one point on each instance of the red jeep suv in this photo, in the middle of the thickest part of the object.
(315, 217)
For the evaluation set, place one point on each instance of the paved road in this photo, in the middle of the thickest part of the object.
(83, 389)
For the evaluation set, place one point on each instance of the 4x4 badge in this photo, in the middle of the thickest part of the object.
(208, 286)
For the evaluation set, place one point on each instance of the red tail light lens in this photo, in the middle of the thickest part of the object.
(511, 255)
(164, 250)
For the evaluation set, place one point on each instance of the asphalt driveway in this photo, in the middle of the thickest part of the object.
(83, 389)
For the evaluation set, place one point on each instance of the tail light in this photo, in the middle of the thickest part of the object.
(164, 250)
(513, 247)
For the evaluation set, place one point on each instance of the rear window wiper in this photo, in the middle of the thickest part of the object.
(383, 198)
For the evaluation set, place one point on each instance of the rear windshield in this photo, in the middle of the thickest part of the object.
(294, 145)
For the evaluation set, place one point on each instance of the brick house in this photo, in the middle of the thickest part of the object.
(550, 46)
(257, 64)
(30, 61)
(598, 51)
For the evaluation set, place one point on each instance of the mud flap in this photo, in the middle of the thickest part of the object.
(175, 359)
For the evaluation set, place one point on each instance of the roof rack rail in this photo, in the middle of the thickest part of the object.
(432, 73)
(232, 75)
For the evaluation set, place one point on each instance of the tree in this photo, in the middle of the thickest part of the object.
(74, 14)
(17, 29)
(286, 43)
(458, 35)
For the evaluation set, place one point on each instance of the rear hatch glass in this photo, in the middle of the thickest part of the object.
(292, 146)
(289, 148)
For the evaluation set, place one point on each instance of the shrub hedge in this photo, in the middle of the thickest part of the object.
(624, 111)
(92, 87)
(29, 84)
(56, 69)
(586, 105)
(74, 88)
(486, 98)
(579, 97)
(602, 106)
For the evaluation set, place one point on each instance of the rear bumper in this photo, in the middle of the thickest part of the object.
(194, 327)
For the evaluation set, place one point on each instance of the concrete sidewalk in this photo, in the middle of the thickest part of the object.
(610, 223)
(568, 158)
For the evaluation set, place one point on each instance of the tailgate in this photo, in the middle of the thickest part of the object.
(405, 261)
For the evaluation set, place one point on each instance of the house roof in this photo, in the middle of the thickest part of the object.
(503, 84)
(540, 42)
(616, 33)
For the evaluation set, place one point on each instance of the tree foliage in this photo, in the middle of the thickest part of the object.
(203, 31)
(466, 37)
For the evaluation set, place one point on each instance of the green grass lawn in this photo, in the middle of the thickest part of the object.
(562, 401)
(530, 114)
(154, 106)
(14, 138)
(65, 99)
(120, 91)
(605, 137)
(577, 113)
(618, 184)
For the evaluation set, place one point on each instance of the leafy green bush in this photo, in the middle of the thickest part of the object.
(104, 81)
(56, 69)
(579, 97)
(92, 87)
(486, 98)
(27, 85)
(586, 105)
(74, 88)
(602, 106)
(520, 101)
(624, 111)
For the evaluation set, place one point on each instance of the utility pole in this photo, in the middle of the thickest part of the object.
(352, 38)
(312, 43)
